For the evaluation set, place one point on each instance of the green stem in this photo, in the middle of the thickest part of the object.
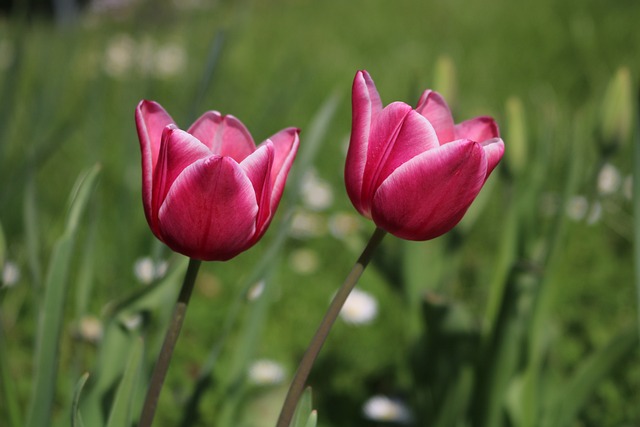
(162, 365)
(636, 206)
(297, 385)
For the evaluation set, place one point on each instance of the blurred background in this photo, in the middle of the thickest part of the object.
(551, 234)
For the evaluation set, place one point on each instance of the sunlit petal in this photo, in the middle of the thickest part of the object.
(433, 106)
(210, 210)
(224, 135)
(428, 195)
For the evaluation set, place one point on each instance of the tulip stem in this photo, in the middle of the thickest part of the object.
(170, 339)
(299, 380)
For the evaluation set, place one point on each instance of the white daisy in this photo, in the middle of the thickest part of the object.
(360, 308)
(382, 408)
(266, 372)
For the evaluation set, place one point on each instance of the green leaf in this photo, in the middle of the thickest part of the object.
(313, 419)
(52, 309)
(121, 410)
(616, 115)
(457, 398)
(31, 232)
(636, 211)
(565, 402)
(76, 419)
(517, 155)
(8, 394)
(303, 413)
(118, 338)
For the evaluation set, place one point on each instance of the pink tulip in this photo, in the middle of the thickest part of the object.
(210, 193)
(413, 171)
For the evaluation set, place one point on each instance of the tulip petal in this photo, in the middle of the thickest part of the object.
(224, 135)
(383, 136)
(151, 119)
(433, 106)
(493, 149)
(478, 129)
(416, 136)
(285, 144)
(257, 167)
(427, 196)
(210, 211)
(366, 105)
(178, 150)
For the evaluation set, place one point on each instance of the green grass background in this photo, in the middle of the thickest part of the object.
(61, 112)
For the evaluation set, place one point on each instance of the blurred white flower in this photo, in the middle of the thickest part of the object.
(577, 208)
(316, 193)
(609, 179)
(343, 225)
(124, 55)
(120, 55)
(147, 270)
(255, 291)
(266, 372)
(170, 60)
(10, 274)
(306, 224)
(360, 308)
(382, 408)
(132, 321)
(304, 261)
(90, 329)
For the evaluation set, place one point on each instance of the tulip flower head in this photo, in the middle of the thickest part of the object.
(210, 193)
(413, 171)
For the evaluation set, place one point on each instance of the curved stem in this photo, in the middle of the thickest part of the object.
(299, 380)
(170, 339)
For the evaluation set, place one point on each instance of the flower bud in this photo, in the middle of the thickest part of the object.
(516, 156)
(616, 114)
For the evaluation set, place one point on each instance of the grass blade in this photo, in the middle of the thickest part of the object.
(8, 393)
(76, 419)
(313, 419)
(636, 209)
(303, 413)
(52, 310)
(121, 410)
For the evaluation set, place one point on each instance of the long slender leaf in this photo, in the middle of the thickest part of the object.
(31, 233)
(313, 419)
(76, 419)
(234, 384)
(636, 208)
(121, 411)
(8, 393)
(52, 311)
(118, 338)
(550, 260)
